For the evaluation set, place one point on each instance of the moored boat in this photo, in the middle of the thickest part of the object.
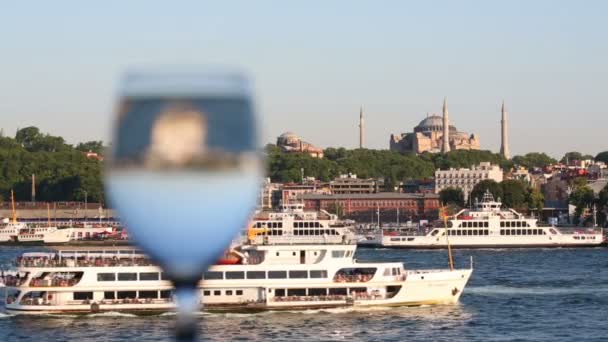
(489, 225)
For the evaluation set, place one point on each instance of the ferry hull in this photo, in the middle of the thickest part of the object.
(490, 246)
(419, 288)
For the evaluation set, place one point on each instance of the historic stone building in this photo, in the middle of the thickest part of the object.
(289, 142)
(429, 135)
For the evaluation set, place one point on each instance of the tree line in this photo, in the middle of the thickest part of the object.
(62, 171)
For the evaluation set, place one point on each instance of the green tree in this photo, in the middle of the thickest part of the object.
(602, 157)
(533, 159)
(28, 137)
(515, 193)
(535, 199)
(570, 156)
(582, 197)
(95, 146)
(453, 196)
(488, 184)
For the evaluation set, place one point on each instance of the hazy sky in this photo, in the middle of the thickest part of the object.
(315, 62)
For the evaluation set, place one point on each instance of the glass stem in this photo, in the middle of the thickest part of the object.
(187, 305)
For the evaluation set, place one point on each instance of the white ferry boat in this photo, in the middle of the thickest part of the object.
(273, 271)
(9, 229)
(490, 226)
(45, 235)
(299, 223)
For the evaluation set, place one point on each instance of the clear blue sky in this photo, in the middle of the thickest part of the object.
(315, 62)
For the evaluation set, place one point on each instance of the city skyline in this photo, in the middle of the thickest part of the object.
(398, 63)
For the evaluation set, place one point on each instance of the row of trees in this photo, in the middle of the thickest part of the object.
(513, 194)
(585, 200)
(63, 173)
(393, 166)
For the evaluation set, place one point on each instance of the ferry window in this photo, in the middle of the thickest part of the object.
(106, 276)
(206, 293)
(523, 232)
(508, 231)
(256, 275)
(109, 295)
(166, 294)
(486, 225)
(502, 232)
(529, 231)
(298, 274)
(296, 292)
(277, 274)
(217, 293)
(387, 272)
(486, 232)
(228, 292)
(318, 274)
(279, 292)
(317, 292)
(392, 239)
(213, 275)
(235, 275)
(239, 292)
(338, 254)
(148, 276)
(519, 232)
(126, 294)
(127, 276)
(148, 294)
(337, 291)
(475, 225)
(280, 225)
(434, 232)
(475, 232)
(83, 295)
(507, 224)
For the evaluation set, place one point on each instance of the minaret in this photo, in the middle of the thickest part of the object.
(445, 147)
(504, 127)
(361, 128)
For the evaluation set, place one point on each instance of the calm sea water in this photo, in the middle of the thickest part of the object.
(513, 295)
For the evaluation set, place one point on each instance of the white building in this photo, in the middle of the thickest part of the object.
(466, 179)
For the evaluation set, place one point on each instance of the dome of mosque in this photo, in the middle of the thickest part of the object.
(433, 123)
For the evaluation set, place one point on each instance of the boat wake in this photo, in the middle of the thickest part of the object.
(111, 314)
(493, 290)
(5, 315)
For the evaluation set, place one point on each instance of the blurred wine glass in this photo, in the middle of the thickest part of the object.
(184, 171)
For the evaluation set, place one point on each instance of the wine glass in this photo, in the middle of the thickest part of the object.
(184, 171)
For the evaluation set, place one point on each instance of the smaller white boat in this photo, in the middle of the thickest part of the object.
(46, 235)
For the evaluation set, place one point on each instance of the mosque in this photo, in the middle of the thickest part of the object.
(434, 134)
(291, 143)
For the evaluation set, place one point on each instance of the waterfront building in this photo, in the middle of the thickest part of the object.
(410, 205)
(466, 179)
(291, 143)
(350, 184)
(292, 192)
(434, 134)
